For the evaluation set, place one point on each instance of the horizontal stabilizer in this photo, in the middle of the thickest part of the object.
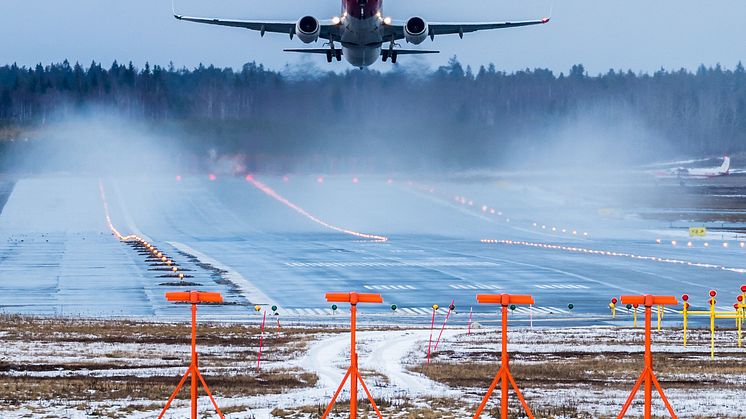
(396, 51)
(308, 50)
(411, 51)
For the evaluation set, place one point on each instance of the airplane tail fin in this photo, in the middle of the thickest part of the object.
(725, 167)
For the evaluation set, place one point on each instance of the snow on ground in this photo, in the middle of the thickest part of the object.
(387, 360)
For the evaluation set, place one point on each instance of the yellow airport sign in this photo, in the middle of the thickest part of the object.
(697, 231)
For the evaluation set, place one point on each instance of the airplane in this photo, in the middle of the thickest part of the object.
(361, 31)
(697, 173)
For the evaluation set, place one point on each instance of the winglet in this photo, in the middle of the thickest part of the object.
(549, 17)
(173, 10)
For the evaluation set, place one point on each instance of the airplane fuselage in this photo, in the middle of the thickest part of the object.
(360, 31)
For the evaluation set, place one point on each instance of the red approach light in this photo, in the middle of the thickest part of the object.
(320, 179)
(212, 177)
(743, 288)
(713, 293)
(355, 180)
(739, 298)
(685, 297)
(178, 178)
(614, 300)
(249, 178)
(285, 179)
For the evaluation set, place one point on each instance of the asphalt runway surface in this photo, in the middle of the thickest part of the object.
(286, 242)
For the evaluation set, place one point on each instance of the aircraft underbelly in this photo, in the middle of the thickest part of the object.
(361, 41)
(361, 56)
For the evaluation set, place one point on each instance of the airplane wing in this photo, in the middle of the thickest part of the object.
(328, 30)
(443, 28)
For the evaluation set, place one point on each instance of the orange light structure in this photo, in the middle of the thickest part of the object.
(353, 373)
(648, 376)
(193, 298)
(503, 375)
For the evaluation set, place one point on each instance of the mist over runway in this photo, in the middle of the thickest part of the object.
(444, 240)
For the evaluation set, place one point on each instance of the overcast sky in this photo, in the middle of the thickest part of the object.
(642, 35)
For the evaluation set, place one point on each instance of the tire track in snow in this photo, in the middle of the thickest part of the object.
(385, 352)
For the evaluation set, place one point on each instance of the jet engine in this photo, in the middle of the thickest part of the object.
(308, 29)
(415, 31)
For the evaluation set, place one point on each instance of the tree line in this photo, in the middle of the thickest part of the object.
(457, 116)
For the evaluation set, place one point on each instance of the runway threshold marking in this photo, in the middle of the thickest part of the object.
(474, 287)
(538, 311)
(574, 249)
(271, 193)
(389, 287)
(561, 287)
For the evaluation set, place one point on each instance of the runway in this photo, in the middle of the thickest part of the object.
(444, 241)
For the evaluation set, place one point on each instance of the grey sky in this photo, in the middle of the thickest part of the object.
(638, 34)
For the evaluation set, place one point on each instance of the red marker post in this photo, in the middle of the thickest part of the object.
(450, 309)
(193, 298)
(261, 341)
(648, 376)
(353, 373)
(432, 326)
(468, 327)
(504, 374)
